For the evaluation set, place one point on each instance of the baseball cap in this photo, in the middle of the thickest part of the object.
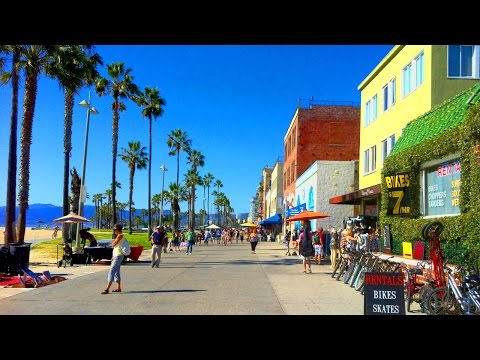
(118, 227)
(158, 227)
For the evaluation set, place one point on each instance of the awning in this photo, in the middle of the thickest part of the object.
(272, 220)
(354, 198)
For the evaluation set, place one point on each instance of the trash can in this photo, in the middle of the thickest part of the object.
(4, 252)
(18, 258)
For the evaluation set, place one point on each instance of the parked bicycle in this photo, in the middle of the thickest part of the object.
(454, 299)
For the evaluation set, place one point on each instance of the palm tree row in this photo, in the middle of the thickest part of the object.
(73, 67)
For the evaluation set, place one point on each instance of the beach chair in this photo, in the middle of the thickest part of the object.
(37, 279)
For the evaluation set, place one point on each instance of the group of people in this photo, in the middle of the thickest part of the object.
(312, 245)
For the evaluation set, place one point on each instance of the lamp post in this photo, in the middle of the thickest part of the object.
(163, 168)
(83, 193)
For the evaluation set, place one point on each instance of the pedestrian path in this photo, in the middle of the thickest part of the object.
(215, 280)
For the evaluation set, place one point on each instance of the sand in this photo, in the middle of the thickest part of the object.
(37, 234)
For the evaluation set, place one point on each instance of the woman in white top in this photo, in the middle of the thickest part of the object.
(117, 258)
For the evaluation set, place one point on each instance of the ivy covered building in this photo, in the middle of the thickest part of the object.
(433, 174)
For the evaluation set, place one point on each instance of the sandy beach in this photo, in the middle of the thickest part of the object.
(36, 234)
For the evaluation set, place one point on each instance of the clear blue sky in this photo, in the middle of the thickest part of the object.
(234, 101)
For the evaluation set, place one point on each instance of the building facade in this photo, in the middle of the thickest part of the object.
(322, 180)
(318, 132)
(407, 83)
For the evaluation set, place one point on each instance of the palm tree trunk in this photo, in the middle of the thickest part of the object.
(193, 207)
(67, 146)
(25, 143)
(12, 157)
(150, 181)
(116, 117)
(130, 199)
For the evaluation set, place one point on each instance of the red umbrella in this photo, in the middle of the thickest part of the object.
(307, 215)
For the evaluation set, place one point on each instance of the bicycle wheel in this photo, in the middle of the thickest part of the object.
(360, 279)
(408, 292)
(354, 276)
(341, 270)
(348, 273)
(337, 266)
(441, 301)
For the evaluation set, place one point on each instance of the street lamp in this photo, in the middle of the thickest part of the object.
(83, 193)
(163, 168)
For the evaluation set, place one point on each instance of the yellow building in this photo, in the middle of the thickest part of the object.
(408, 82)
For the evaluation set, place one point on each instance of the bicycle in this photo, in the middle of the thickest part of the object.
(412, 286)
(453, 299)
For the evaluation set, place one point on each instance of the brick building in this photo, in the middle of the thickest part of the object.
(318, 132)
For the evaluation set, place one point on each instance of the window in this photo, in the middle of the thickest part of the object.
(389, 95)
(440, 188)
(387, 146)
(463, 61)
(413, 75)
(371, 112)
(369, 160)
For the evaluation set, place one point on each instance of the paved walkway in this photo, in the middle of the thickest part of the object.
(215, 280)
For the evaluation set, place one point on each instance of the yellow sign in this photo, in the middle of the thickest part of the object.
(407, 250)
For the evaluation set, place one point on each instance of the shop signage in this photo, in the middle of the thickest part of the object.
(443, 188)
(384, 294)
(399, 196)
(296, 210)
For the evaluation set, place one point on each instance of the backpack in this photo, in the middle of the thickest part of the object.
(125, 247)
(307, 247)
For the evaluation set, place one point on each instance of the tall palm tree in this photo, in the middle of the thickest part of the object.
(192, 178)
(196, 159)
(207, 181)
(136, 158)
(120, 86)
(97, 199)
(156, 201)
(177, 141)
(12, 147)
(108, 213)
(178, 194)
(152, 104)
(35, 60)
(218, 183)
(76, 66)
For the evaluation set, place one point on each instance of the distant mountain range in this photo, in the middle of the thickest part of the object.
(42, 215)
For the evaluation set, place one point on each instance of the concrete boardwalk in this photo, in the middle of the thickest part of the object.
(215, 280)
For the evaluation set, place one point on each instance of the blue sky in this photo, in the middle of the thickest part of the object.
(234, 101)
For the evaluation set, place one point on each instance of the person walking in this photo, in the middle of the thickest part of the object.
(305, 247)
(190, 240)
(334, 247)
(253, 240)
(157, 240)
(117, 258)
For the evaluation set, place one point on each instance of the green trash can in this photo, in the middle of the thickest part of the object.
(18, 258)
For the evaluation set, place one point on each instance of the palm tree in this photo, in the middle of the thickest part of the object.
(120, 86)
(207, 181)
(219, 185)
(12, 148)
(136, 158)
(191, 180)
(177, 140)
(97, 199)
(178, 194)
(156, 201)
(152, 104)
(196, 159)
(108, 213)
(35, 60)
(76, 66)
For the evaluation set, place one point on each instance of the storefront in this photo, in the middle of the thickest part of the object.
(433, 174)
